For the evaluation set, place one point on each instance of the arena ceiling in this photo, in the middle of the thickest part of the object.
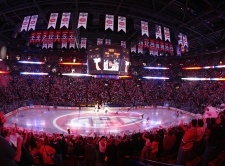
(203, 21)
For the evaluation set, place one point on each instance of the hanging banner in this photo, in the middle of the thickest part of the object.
(33, 22)
(162, 45)
(99, 41)
(121, 23)
(38, 36)
(140, 47)
(44, 39)
(167, 49)
(133, 49)
(146, 43)
(50, 38)
(109, 22)
(185, 43)
(180, 39)
(144, 28)
(107, 41)
(65, 20)
(167, 34)
(32, 37)
(25, 23)
(83, 43)
(155, 52)
(64, 38)
(178, 50)
(82, 22)
(158, 32)
(171, 49)
(71, 36)
(123, 44)
(152, 44)
(57, 36)
(52, 20)
(157, 46)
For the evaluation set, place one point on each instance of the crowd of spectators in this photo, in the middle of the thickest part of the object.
(204, 138)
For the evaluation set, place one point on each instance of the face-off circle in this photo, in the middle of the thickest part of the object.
(98, 122)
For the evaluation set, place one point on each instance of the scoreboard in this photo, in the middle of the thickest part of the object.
(108, 59)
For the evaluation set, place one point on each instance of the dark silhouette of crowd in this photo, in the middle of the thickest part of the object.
(202, 141)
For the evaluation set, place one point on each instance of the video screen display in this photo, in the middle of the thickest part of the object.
(125, 61)
(106, 59)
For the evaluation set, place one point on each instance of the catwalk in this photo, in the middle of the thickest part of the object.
(87, 120)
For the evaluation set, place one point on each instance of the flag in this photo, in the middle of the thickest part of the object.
(185, 43)
(152, 43)
(158, 32)
(144, 28)
(157, 46)
(146, 43)
(123, 44)
(52, 20)
(162, 45)
(99, 41)
(65, 20)
(33, 22)
(167, 34)
(121, 23)
(171, 49)
(109, 22)
(107, 41)
(83, 43)
(82, 22)
(25, 23)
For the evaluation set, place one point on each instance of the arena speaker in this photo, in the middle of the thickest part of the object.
(3, 52)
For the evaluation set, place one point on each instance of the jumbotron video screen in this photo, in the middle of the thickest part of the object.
(108, 59)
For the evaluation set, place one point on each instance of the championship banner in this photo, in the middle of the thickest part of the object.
(123, 44)
(133, 49)
(180, 39)
(157, 46)
(152, 43)
(33, 22)
(109, 22)
(44, 39)
(167, 34)
(107, 41)
(38, 36)
(140, 47)
(144, 28)
(158, 32)
(52, 20)
(25, 23)
(162, 45)
(171, 49)
(151, 52)
(121, 23)
(57, 36)
(65, 20)
(99, 41)
(83, 43)
(64, 38)
(32, 37)
(146, 43)
(82, 22)
(50, 38)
